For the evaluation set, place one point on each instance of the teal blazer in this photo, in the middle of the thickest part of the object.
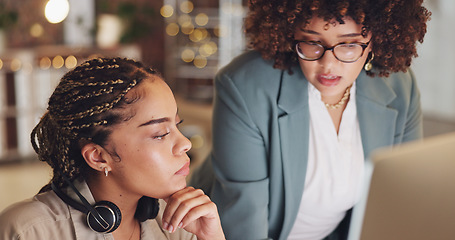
(256, 171)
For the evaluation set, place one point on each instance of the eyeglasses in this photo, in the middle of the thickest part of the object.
(344, 52)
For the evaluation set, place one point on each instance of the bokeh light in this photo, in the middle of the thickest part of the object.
(187, 55)
(208, 49)
(184, 19)
(167, 11)
(172, 29)
(187, 28)
(36, 30)
(45, 63)
(197, 141)
(56, 10)
(71, 62)
(58, 62)
(198, 34)
(16, 64)
(200, 61)
(186, 6)
(201, 19)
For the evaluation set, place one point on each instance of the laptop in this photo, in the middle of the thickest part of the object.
(409, 193)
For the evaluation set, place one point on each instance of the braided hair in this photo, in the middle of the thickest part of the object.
(87, 102)
(396, 27)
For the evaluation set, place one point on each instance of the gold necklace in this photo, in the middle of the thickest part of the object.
(341, 102)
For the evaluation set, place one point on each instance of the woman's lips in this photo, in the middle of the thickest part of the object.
(328, 79)
(185, 170)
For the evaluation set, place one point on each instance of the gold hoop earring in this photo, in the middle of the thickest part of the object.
(369, 65)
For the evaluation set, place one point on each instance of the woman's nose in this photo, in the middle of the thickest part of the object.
(183, 144)
(328, 59)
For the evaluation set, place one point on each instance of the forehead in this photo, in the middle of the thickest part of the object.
(317, 25)
(154, 95)
(152, 98)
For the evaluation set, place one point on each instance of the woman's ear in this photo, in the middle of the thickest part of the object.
(95, 156)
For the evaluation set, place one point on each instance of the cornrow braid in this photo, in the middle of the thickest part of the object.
(87, 102)
(96, 109)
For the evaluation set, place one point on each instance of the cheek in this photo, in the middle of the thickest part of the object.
(151, 158)
(308, 68)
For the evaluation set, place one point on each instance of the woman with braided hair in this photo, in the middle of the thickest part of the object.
(111, 137)
(327, 82)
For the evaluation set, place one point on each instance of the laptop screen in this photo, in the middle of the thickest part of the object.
(409, 192)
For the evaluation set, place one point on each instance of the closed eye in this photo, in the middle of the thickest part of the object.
(160, 137)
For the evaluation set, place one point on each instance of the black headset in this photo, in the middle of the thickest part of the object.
(105, 216)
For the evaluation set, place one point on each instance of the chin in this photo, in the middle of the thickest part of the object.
(182, 185)
(178, 186)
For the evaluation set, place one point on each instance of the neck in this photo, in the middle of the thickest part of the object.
(341, 102)
(129, 231)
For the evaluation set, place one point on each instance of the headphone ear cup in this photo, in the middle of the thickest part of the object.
(109, 212)
(147, 208)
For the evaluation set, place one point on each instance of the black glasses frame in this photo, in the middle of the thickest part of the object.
(299, 53)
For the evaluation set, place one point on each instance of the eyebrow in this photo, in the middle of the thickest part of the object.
(342, 35)
(155, 121)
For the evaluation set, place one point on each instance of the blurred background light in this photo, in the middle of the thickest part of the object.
(197, 141)
(56, 10)
(45, 63)
(172, 29)
(184, 19)
(198, 35)
(71, 62)
(187, 28)
(58, 62)
(36, 30)
(16, 64)
(187, 55)
(166, 11)
(200, 61)
(201, 19)
(186, 6)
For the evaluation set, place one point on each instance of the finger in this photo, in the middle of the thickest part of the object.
(180, 204)
(207, 210)
(170, 208)
(173, 203)
(187, 206)
(179, 192)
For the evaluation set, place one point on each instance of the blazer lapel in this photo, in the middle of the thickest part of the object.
(294, 132)
(376, 120)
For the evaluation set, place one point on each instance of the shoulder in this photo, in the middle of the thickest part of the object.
(249, 68)
(32, 215)
(401, 80)
(404, 86)
(249, 79)
(397, 85)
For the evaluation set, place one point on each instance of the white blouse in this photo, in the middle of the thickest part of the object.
(335, 170)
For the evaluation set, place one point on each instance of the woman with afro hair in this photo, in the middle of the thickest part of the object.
(327, 82)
